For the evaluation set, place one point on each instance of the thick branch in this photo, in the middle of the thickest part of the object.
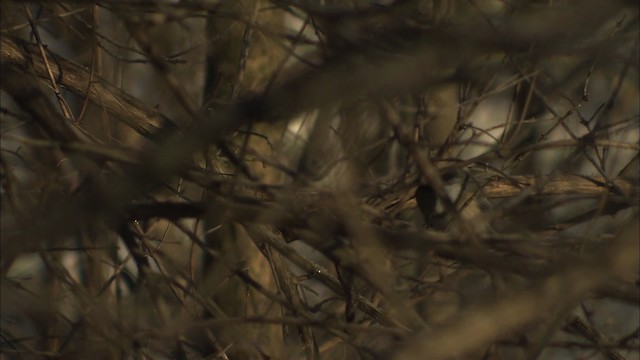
(75, 78)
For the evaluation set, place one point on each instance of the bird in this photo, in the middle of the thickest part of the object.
(426, 199)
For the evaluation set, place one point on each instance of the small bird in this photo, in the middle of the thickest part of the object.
(426, 199)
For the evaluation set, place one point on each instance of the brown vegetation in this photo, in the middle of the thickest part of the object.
(411, 179)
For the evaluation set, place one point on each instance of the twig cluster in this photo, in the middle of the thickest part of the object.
(275, 179)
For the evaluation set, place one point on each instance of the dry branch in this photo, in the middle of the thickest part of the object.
(207, 210)
(483, 325)
(79, 80)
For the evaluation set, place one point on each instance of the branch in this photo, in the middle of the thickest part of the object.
(481, 326)
(75, 78)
